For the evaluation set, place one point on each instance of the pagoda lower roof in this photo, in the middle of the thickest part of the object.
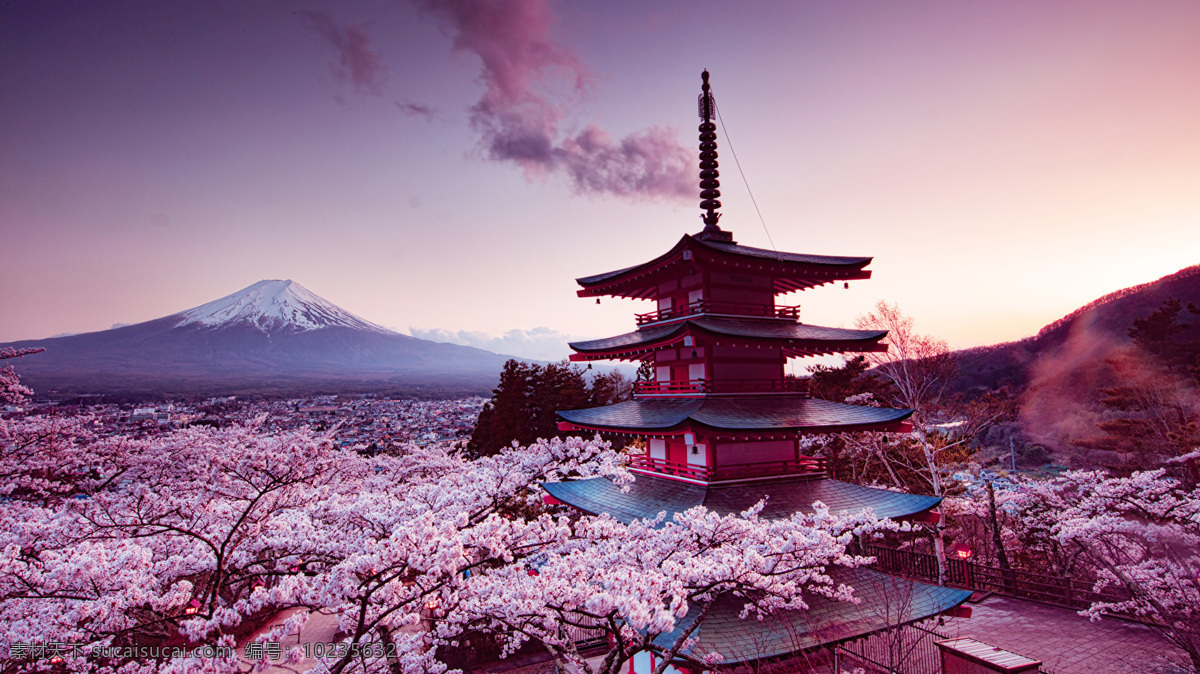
(794, 271)
(741, 413)
(884, 602)
(796, 337)
(650, 495)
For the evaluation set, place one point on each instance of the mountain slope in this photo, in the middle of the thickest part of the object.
(1095, 329)
(273, 337)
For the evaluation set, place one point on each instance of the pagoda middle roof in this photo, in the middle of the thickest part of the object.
(820, 339)
(813, 269)
(741, 413)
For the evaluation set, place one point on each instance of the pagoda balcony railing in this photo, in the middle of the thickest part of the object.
(808, 465)
(696, 387)
(727, 308)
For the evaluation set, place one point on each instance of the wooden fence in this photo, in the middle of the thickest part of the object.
(911, 649)
(1057, 590)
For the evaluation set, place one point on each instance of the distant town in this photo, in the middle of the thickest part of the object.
(370, 423)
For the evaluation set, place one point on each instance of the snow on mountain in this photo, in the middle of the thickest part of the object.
(274, 306)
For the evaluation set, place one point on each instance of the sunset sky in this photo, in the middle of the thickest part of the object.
(447, 168)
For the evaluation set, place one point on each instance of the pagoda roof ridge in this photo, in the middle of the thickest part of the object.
(829, 268)
(747, 327)
(807, 258)
(747, 413)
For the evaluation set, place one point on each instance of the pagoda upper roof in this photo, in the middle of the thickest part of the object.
(741, 413)
(649, 495)
(793, 271)
(797, 338)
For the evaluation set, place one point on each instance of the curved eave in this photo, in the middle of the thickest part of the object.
(899, 426)
(794, 271)
(753, 415)
(632, 282)
(648, 496)
(884, 602)
(796, 339)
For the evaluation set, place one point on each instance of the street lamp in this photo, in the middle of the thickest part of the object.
(963, 552)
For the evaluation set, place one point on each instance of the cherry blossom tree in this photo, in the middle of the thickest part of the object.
(11, 389)
(406, 549)
(1141, 535)
(164, 541)
(633, 584)
(920, 368)
(196, 536)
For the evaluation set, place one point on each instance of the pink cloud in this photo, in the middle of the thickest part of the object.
(358, 63)
(519, 120)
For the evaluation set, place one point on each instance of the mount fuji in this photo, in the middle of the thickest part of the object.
(272, 338)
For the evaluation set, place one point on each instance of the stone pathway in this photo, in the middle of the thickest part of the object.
(319, 628)
(1064, 641)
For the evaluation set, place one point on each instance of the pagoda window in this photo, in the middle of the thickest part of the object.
(696, 371)
(663, 372)
(658, 449)
(664, 306)
(698, 455)
(695, 297)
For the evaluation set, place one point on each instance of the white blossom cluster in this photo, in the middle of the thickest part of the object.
(194, 537)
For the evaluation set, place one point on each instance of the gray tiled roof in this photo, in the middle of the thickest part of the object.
(737, 413)
(851, 263)
(650, 495)
(733, 327)
(600, 278)
(804, 258)
(885, 601)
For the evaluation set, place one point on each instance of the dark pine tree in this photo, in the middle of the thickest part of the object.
(523, 405)
(1171, 341)
(607, 389)
(851, 379)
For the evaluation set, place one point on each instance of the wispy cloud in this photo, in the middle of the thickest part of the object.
(357, 62)
(520, 121)
(417, 110)
(539, 343)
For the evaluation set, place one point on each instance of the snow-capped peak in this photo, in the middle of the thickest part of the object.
(272, 306)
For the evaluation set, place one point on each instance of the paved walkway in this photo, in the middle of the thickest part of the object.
(1064, 641)
(320, 628)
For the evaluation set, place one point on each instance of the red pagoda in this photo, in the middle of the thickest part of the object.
(721, 421)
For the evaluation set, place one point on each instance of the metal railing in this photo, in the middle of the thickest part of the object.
(706, 386)
(803, 466)
(1057, 590)
(710, 307)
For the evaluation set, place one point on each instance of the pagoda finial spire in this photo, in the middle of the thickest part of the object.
(708, 166)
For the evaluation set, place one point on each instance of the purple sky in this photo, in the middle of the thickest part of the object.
(450, 167)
